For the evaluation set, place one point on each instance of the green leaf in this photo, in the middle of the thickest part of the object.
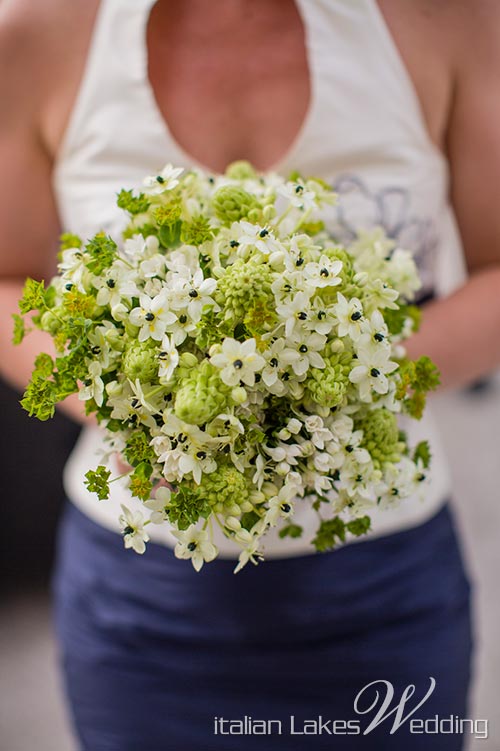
(249, 519)
(140, 484)
(19, 331)
(427, 377)
(133, 204)
(358, 527)
(423, 453)
(138, 450)
(40, 397)
(291, 530)
(102, 250)
(33, 297)
(68, 240)
(170, 235)
(329, 533)
(97, 481)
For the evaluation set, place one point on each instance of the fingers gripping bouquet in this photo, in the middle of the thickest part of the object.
(232, 349)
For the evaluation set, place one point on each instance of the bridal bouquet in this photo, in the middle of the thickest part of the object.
(232, 350)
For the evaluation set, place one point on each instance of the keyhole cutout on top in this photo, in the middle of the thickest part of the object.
(227, 90)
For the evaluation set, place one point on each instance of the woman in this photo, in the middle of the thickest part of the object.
(100, 94)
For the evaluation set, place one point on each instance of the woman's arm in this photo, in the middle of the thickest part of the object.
(462, 333)
(29, 226)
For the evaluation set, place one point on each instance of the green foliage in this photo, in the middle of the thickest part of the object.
(332, 531)
(68, 240)
(133, 204)
(417, 378)
(102, 251)
(33, 297)
(328, 534)
(140, 483)
(19, 331)
(359, 527)
(186, 507)
(423, 453)
(291, 530)
(40, 397)
(97, 481)
(396, 319)
(138, 449)
(170, 235)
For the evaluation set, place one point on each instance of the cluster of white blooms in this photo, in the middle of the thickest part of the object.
(236, 352)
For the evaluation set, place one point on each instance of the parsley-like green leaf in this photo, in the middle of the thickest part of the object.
(97, 481)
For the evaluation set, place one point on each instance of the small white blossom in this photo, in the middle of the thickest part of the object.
(372, 371)
(93, 386)
(164, 181)
(169, 359)
(134, 534)
(238, 361)
(196, 545)
(152, 317)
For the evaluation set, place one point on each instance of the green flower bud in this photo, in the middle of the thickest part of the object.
(231, 204)
(328, 386)
(241, 170)
(114, 389)
(169, 212)
(131, 330)
(201, 395)
(238, 395)
(197, 231)
(140, 361)
(381, 436)
(244, 290)
(49, 322)
(226, 489)
(188, 360)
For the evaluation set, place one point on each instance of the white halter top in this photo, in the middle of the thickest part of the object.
(364, 133)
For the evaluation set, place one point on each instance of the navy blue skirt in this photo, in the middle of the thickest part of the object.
(159, 658)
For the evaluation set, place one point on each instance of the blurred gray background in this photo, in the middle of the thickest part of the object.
(32, 714)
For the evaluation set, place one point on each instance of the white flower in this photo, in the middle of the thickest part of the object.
(298, 196)
(238, 361)
(72, 266)
(324, 273)
(361, 481)
(250, 554)
(403, 273)
(196, 545)
(166, 180)
(307, 345)
(158, 504)
(138, 248)
(195, 461)
(169, 359)
(280, 505)
(93, 384)
(284, 452)
(152, 317)
(103, 339)
(350, 316)
(320, 317)
(254, 236)
(372, 371)
(319, 434)
(294, 312)
(191, 292)
(134, 534)
(181, 328)
(278, 358)
(293, 427)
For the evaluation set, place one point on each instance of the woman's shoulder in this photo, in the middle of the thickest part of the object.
(43, 47)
